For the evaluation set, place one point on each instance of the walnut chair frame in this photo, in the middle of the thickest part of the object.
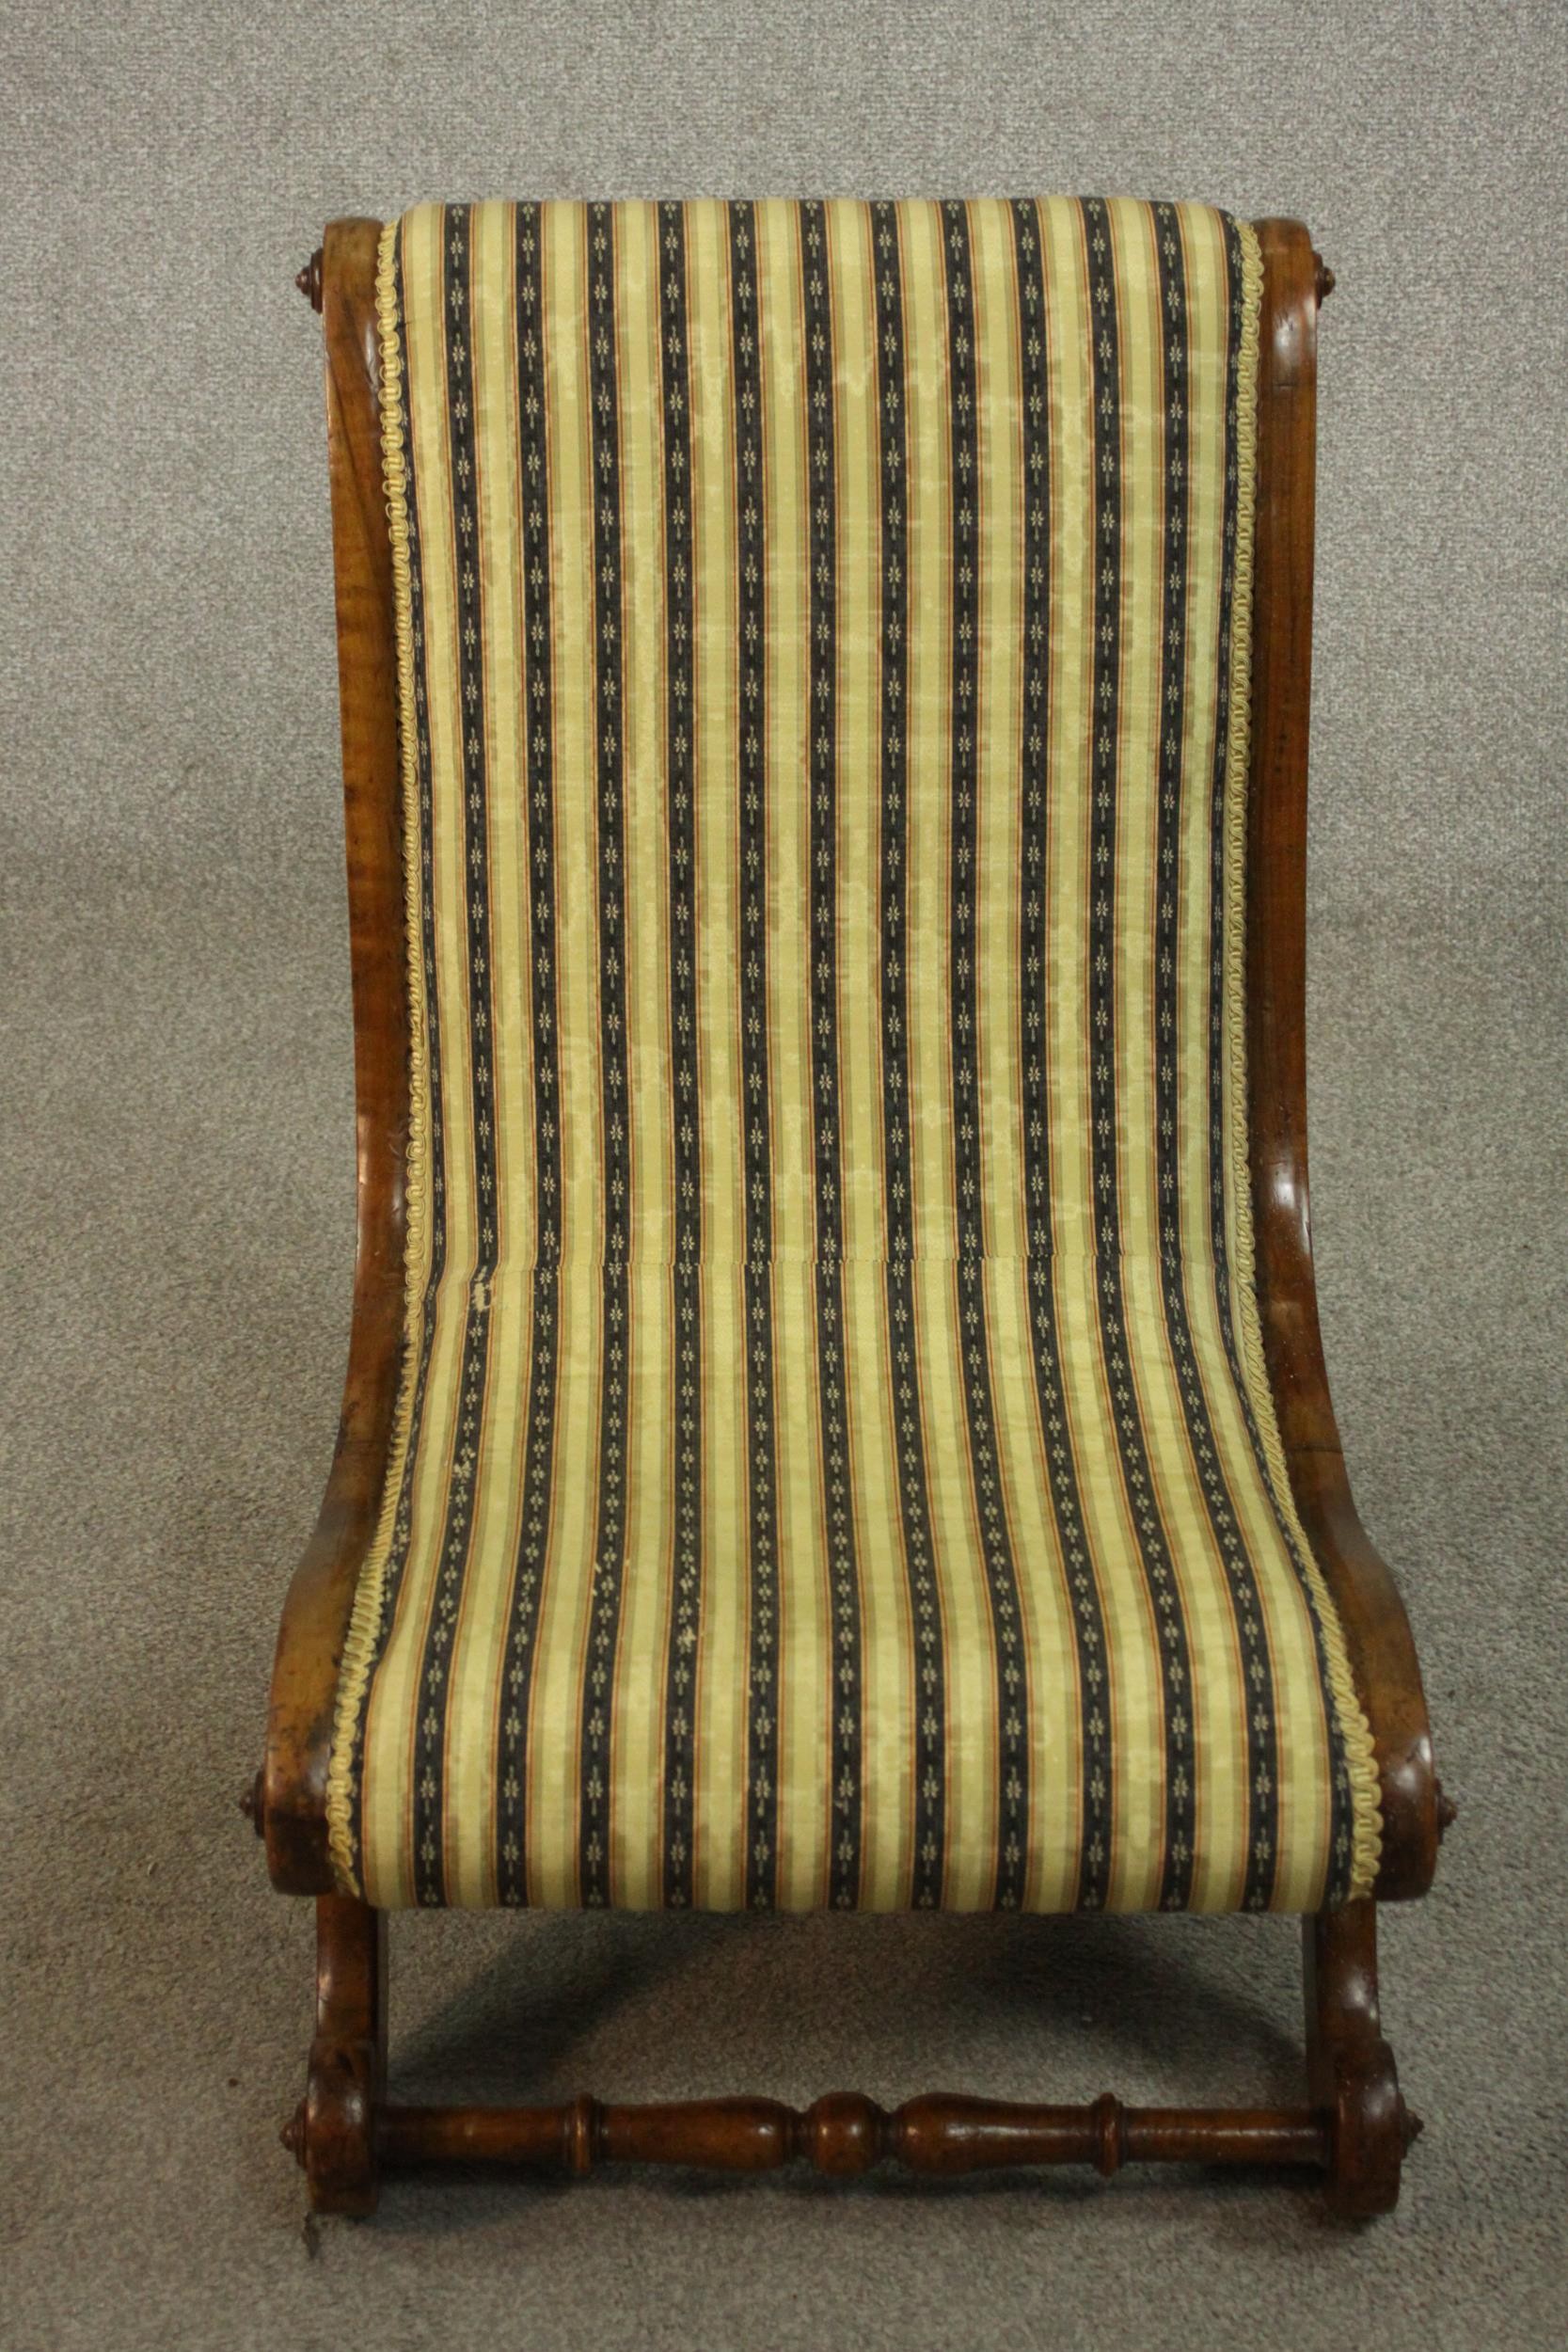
(1351, 2127)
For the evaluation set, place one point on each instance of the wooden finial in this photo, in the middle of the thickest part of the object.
(1325, 279)
(309, 281)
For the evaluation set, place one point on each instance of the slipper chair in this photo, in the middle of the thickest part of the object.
(836, 1416)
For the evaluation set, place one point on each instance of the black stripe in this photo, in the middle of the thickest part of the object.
(1002, 1581)
(610, 1535)
(821, 499)
(1097, 1762)
(430, 1723)
(930, 1711)
(434, 1142)
(762, 1721)
(1175, 1663)
(522, 1627)
(680, 1728)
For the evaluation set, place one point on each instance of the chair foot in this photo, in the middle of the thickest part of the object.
(334, 2132)
(1350, 2067)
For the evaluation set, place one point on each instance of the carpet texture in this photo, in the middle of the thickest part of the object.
(176, 1160)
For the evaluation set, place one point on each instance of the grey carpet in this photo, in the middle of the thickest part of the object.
(175, 1203)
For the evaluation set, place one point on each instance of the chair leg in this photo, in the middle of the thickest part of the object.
(335, 2131)
(1350, 2067)
(1358, 2123)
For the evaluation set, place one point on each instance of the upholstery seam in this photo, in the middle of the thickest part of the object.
(359, 1646)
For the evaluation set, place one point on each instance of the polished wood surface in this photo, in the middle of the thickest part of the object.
(1350, 2067)
(334, 2132)
(1354, 2128)
(846, 2134)
(316, 1612)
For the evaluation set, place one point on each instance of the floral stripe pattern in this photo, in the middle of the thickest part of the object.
(834, 1467)
(1012, 1701)
(463, 1439)
(823, 721)
(685, 1101)
(1087, 1609)
(1104, 1047)
(537, 784)
(914, 1515)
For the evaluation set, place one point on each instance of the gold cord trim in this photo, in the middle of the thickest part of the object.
(365, 1621)
(1355, 1730)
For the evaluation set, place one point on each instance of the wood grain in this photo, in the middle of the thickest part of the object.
(316, 1612)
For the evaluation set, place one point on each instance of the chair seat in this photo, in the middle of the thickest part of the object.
(929, 1656)
(835, 1462)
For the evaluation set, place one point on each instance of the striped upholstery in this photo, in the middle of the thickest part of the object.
(834, 1463)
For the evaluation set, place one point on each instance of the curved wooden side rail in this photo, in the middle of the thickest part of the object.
(1377, 1632)
(292, 1794)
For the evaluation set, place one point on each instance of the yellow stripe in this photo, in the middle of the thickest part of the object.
(637, 1742)
(1203, 256)
(805, 1623)
(645, 789)
(931, 532)
(1045, 1615)
(480, 1640)
(470, 1773)
(389, 1715)
(714, 748)
(890, 1691)
(564, 255)
(1156, 1397)
(858, 633)
(787, 608)
(960, 1575)
(1142, 478)
(999, 720)
(552, 1739)
(719, 1877)
(804, 1684)
(397, 1684)
(1068, 757)
(552, 1774)
(637, 1752)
